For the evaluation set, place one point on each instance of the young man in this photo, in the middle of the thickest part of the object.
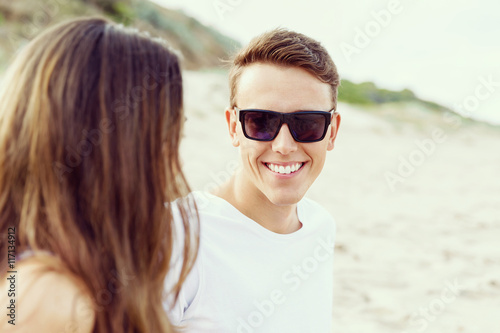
(265, 261)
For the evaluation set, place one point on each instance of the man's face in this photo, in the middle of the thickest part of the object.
(282, 89)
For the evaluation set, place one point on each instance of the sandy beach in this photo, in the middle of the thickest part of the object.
(417, 207)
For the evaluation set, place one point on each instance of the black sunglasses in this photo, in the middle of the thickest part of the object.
(264, 125)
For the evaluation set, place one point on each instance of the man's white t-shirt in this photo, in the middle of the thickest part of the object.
(249, 279)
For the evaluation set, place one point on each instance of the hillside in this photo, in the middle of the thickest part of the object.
(367, 93)
(201, 46)
(401, 106)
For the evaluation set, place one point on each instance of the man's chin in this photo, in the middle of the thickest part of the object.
(285, 199)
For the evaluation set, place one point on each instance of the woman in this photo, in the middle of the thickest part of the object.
(90, 122)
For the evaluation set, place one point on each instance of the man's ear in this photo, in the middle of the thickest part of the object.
(335, 129)
(232, 123)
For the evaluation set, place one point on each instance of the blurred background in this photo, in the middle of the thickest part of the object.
(414, 179)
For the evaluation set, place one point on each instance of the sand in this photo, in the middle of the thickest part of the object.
(417, 207)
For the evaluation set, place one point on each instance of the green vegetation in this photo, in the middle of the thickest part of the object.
(122, 12)
(367, 93)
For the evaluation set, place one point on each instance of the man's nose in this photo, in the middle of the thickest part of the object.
(284, 143)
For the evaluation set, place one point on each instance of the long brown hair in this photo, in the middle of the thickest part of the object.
(90, 123)
(286, 48)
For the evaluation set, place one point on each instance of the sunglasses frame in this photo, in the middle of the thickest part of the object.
(284, 119)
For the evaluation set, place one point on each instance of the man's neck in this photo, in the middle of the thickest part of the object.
(255, 205)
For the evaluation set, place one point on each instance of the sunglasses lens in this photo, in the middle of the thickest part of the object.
(308, 127)
(261, 125)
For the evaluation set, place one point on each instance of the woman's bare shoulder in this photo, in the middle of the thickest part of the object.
(46, 300)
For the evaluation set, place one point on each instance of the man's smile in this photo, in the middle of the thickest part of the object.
(284, 168)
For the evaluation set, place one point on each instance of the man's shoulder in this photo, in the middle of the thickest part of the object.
(205, 201)
(211, 207)
(309, 209)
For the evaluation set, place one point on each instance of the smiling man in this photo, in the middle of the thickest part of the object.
(265, 262)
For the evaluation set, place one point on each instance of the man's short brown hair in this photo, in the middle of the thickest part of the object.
(286, 48)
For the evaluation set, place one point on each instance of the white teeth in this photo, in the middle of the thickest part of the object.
(284, 170)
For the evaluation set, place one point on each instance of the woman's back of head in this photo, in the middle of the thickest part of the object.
(90, 122)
